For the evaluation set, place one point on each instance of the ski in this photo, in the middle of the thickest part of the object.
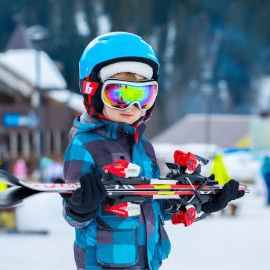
(183, 191)
(11, 180)
(128, 186)
(121, 189)
(23, 232)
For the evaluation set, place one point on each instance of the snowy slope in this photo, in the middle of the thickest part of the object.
(224, 242)
(219, 242)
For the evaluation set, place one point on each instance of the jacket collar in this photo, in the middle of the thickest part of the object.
(106, 128)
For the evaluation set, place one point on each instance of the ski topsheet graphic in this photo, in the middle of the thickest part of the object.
(123, 184)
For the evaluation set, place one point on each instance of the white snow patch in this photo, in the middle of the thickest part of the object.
(170, 47)
(81, 24)
(71, 99)
(23, 64)
(165, 152)
(103, 24)
(241, 165)
(226, 242)
(218, 242)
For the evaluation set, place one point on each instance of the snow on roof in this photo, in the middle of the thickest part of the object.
(199, 128)
(22, 63)
(72, 100)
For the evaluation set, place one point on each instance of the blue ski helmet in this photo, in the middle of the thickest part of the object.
(108, 49)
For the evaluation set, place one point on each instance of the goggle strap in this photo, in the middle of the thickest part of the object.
(92, 112)
(136, 135)
(85, 106)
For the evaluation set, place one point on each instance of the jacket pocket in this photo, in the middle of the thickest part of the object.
(116, 241)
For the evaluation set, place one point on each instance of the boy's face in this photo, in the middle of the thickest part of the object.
(131, 114)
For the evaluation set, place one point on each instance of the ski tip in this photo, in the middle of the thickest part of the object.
(244, 187)
(4, 205)
(5, 230)
(8, 178)
(13, 196)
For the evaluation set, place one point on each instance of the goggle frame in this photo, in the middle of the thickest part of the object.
(131, 83)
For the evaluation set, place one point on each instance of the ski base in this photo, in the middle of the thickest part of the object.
(23, 232)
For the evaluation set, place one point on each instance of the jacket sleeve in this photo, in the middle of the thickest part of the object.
(77, 162)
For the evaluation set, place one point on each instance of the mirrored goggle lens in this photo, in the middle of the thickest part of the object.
(121, 96)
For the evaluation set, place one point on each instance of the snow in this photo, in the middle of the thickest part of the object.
(23, 64)
(221, 242)
(170, 48)
(165, 152)
(224, 242)
(41, 212)
(103, 24)
(81, 24)
(240, 163)
(72, 100)
(218, 242)
(103, 21)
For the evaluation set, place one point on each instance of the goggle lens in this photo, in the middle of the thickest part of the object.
(121, 95)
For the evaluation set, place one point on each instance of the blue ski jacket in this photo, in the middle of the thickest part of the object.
(109, 241)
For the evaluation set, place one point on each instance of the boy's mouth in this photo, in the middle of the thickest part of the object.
(126, 115)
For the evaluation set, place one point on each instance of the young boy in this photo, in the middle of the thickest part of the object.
(118, 79)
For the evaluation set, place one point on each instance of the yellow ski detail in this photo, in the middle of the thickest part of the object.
(166, 193)
(162, 186)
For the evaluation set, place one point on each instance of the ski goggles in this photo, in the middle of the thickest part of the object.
(120, 95)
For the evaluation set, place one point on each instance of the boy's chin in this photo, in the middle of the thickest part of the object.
(129, 122)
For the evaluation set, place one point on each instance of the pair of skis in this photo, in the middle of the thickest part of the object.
(186, 188)
(183, 190)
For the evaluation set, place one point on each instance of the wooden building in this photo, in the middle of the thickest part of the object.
(22, 134)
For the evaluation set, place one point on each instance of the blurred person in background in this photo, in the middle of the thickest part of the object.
(50, 169)
(265, 171)
(20, 169)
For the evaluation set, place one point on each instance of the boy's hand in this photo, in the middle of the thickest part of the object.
(229, 192)
(83, 204)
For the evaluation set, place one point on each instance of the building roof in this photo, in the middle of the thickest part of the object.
(19, 39)
(19, 66)
(18, 71)
(73, 100)
(220, 129)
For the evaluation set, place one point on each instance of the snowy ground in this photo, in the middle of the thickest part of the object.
(224, 242)
(219, 242)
